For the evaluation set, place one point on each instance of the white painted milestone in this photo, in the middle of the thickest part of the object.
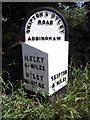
(45, 35)
(35, 66)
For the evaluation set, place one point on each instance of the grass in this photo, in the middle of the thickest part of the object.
(75, 105)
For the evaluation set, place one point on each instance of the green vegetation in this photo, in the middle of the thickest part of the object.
(16, 105)
(75, 16)
(75, 105)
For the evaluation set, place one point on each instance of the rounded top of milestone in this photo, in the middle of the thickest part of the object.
(44, 24)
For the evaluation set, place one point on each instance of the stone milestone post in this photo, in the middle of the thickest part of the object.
(45, 51)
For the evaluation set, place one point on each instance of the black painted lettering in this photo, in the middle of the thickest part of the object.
(56, 18)
(37, 15)
(42, 38)
(51, 22)
(40, 67)
(37, 67)
(52, 78)
(29, 23)
(27, 74)
(33, 38)
(31, 20)
(39, 22)
(65, 72)
(50, 38)
(31, 82)
(28, 31)
(52, 16)
(30, 75)
(34, 59)
(28, 27)
(43, 86)
(34, 76)
(58, 38)
(25, 65)
(41, 78)
(53, 85)
(29, 38)
(38, 59)
(64, 79)
(43, 22)
(27, 58)
(44, 68)
(54, 38)
(41, 14)
(39, 84)
(46, 38)
(36, 38)
(33, 17)
(58, 82)
(32, 66)
(31, 58)
(60, 27)
(58, 23)
(62, 31)
(61, 73)
(55, 77)
(35, 83)
(37, 77)
(42, 59)
(47, 22)
(58, 75)
(46, 14)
